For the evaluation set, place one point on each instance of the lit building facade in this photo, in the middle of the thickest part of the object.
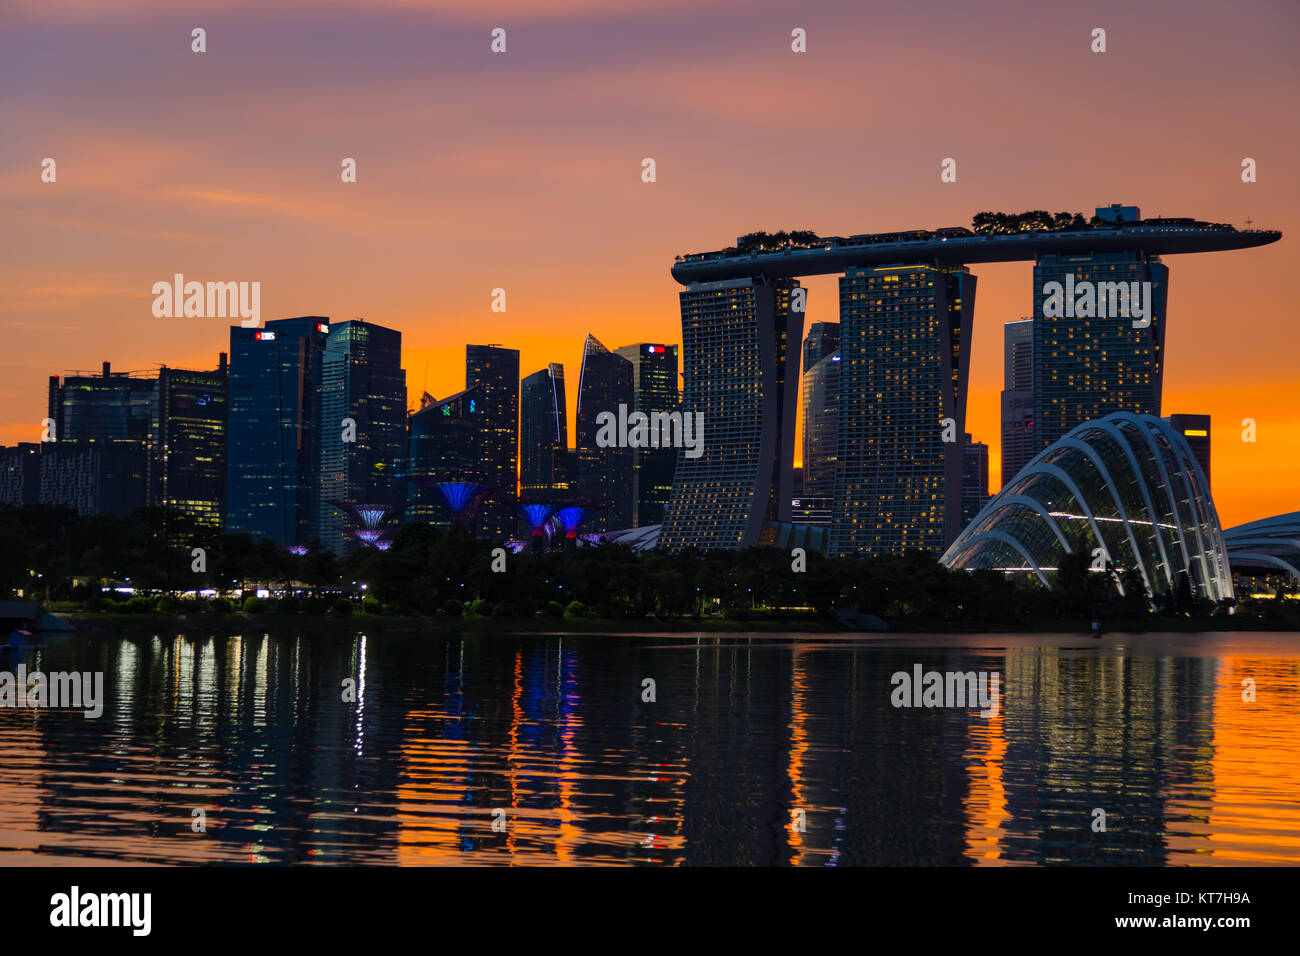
(20, 474)
(822, 339)
(496, 371)
(190, 442)
(444, 441)
(605, 474)
(363, 445)
(272, 444)
(112, 408)
(821, 424)
(1195, 430)
(654, 388)
(543, 432)
(740, 342)
(1017, 397)
(974, 479)
(905, 336)
(1086, 367)
(95, 477)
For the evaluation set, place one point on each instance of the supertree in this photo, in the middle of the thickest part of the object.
(537, 513)
(367, 523)
(464, 496)
(570, 519)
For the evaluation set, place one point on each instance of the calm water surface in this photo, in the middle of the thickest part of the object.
(744, 731)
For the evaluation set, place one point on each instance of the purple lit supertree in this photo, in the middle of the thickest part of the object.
(570, 518)
(367, 523)
(464, 496)
(537, 513)
(554, 517)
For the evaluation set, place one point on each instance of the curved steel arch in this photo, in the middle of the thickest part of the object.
(1032, 503)
(1059, 473)
(995, 535)
(1164, 473)
(1123, 442)
(1092, 453)
(1271, 559)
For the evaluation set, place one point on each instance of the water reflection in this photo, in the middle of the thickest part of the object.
(406, 749)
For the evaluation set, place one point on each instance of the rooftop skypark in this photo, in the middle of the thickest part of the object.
(993, 237)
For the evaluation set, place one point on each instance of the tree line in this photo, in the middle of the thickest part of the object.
(54, 554)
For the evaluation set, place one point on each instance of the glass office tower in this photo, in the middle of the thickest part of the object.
(272, 451)
(654, 384)
(974, 479)
(1017, 397)
(117, 412)
(822, 339)
(1195, 430)
(444, 445)
(604, 473)
(543, 433)
(821, 422)
(190, 442)
(496, 371)
(362, 381)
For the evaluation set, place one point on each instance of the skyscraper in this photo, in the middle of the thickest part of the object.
(362, 426)
(974, 479)
(1017, 397)
(543, 433)
(821, 422)
(190, 442)
(496, 371)
(20, 474)
(905, 335)
(272, 450)
(1195, 430)
(110, 406)
(740, 363)
(654, 386)
(822, 339)
(604, 473)
(1087, 366)
(444, 443)
(117, 412)
(94, 476)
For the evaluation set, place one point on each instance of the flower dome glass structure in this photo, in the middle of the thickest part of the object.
(1126, 483)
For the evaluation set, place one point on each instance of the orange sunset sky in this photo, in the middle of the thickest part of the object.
(522, 170)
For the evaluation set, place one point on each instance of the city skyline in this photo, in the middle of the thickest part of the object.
(993, 439)
(691, 434)
(529, 179)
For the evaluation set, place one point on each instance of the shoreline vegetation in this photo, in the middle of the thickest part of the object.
(105, 624)
(159, 569)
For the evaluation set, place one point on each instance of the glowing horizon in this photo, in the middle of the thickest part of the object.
(522, 171)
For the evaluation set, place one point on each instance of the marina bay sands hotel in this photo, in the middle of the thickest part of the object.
(906, 306)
